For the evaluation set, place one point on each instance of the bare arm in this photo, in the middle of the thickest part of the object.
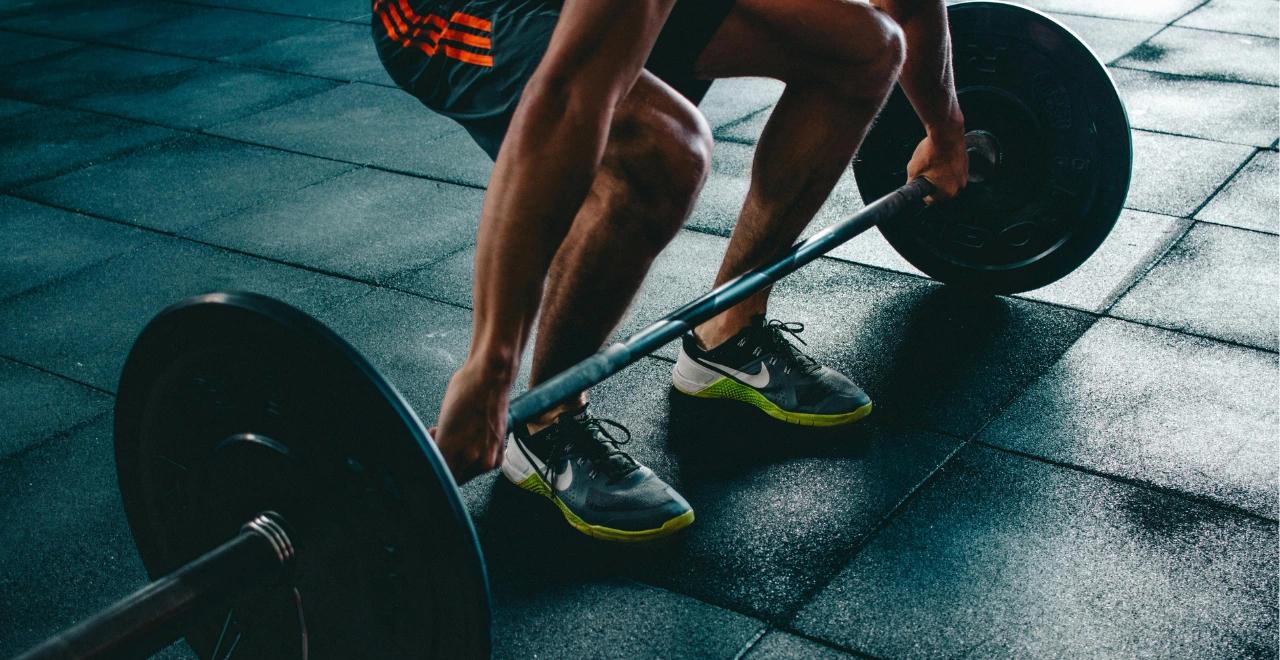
(929, 83)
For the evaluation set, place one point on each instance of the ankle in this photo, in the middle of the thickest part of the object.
(548, 418)
(717, 331)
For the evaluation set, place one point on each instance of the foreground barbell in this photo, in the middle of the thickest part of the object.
(240, 418)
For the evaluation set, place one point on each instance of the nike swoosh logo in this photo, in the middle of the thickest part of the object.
(565, 479)
(758, 380)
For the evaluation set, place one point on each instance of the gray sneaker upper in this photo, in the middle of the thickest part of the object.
(763, 357)
(584, 465)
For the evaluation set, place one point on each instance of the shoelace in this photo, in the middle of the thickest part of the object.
(585, 440)
(775, 340)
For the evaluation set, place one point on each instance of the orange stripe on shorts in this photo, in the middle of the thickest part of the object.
(466, 38)
(471, 21)
(397, 17)
(468, 57)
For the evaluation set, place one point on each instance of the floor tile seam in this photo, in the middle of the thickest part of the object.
(1216, 223)
(218, 247)
(220, 60)
(273, 105)
(277, 104)
(766, 625)
(443, 301)
(1185, 76)
(11, 189)
(730, 139)
(17, 456)
(788, 617)
(1196, 335)
(751, 643)
(1117, 294)
(188, 233)
(1031, 382)
(1191, 76)
(79, 45)
(1202, 138)
(1189, 12)
(53, 282)
(831, 644)
(635, 581)
(1193, 28)
(1226, 182)
(1234, 33)
(49, 372)
(837, 260)
(1106, 311)
(264, 68)
(1068, 12)
(248, 10)
(320, 25)
(90, 42)
(1193, 335)
(1146, 41)
(1171, 491)
(207, 132)
(1198, 138)
(845, 261)
(371, 284)
(734, 123)
(433, 262)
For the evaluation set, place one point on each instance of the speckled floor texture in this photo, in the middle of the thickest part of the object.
(1087, 470)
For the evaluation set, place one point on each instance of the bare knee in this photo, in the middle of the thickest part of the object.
(846, 47)
(869, 62)
(658, 160)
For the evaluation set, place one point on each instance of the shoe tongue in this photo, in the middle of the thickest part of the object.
(578, 416)
(604, 453)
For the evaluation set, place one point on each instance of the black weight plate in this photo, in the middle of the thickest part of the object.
(231, 404)
(1066, 155)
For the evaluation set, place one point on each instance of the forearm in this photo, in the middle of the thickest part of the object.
(927, 76)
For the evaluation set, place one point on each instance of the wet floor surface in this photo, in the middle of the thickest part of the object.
(1086, 469)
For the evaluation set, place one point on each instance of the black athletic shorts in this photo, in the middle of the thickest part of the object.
(470, 59)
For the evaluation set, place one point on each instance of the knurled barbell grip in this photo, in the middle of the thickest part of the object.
(615, 357)
(158, 614)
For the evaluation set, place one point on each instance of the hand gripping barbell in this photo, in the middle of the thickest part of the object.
(292, 502)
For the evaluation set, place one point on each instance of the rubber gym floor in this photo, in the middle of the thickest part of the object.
(1089, 469)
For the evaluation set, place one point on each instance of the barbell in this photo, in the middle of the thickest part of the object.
(289, 502)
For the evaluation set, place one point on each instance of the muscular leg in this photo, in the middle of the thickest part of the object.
(839, 60)
(655, 163)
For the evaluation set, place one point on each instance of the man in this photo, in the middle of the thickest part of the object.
(588, 107)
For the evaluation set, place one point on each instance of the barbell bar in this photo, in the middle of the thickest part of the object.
(293, 504)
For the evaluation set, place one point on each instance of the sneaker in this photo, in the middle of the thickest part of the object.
(760, 366)
(603, 492)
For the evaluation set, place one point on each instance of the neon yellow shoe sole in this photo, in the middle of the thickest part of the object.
(727, 388)
(534, 484)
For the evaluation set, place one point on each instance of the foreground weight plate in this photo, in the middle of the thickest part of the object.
(231, 404)
(1064, 155)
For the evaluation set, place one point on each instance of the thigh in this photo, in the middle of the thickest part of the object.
(790, 39)
(683, 38)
